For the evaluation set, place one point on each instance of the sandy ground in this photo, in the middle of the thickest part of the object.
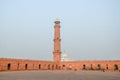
(60, 75)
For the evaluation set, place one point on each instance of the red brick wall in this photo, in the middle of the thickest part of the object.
(107, 65)
(19, 64)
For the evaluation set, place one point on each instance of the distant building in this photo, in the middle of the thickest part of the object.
(64, 57)
(59, 63)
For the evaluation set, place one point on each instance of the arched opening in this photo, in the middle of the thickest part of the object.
(91, 67)
(63, 67)
(18, 67)
(106, 66)
(84, 67)
(56, 66)
(49, 67)
(39, 66)
(115, 67)
(52, 66)
(9, 66)
(26, 66)
(99, 67)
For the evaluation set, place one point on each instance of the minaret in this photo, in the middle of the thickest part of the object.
(57, 40)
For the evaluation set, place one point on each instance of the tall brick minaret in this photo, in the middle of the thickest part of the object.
(57, 40)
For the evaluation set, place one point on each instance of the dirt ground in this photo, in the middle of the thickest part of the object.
(60, 75)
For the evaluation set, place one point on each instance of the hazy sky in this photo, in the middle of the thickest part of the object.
(90, 29)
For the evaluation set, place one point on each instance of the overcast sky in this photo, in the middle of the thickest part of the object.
(90, 29)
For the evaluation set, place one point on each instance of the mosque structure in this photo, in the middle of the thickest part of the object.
(58, 63)
(64, 57)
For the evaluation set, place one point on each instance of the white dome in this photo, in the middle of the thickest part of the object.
(65, 57)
